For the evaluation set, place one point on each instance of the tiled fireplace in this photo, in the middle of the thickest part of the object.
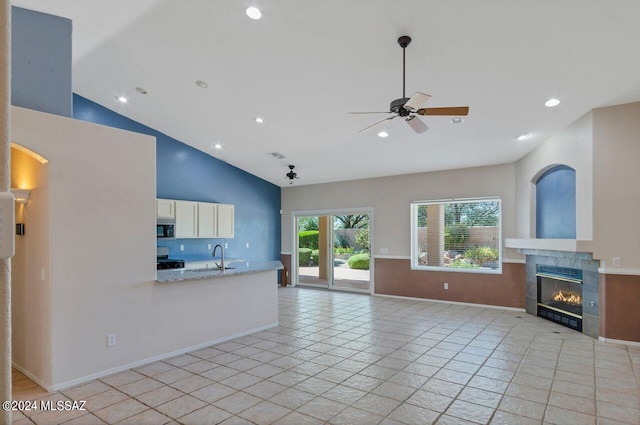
(563, 287)
(560, 295)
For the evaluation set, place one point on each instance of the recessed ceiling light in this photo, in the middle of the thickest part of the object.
(523, 136)
(218, 146)
(552, 102)
(254, 13)
(122, 99)
(259, 120)
(202, 84)
(383, 134)
(141, 90)
(457, 120)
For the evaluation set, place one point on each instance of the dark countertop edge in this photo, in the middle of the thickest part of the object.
(169, 276)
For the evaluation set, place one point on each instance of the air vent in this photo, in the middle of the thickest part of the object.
(276, 155)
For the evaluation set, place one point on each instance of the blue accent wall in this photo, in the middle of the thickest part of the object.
(186, 173)
(41, 62)
(556, 204)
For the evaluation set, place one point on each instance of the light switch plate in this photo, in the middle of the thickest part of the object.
(7, 225)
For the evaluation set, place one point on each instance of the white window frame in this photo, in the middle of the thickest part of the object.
(414, 236)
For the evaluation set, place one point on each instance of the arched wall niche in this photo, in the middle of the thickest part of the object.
(30, 286)
(41, 159)
(555, 202)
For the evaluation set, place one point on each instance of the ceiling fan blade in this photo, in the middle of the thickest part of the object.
(416, 101)
(379, 122)
(370, 112)
(417, 124)
(453, 110)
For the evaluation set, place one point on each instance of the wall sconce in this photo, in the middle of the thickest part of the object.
(21, 195)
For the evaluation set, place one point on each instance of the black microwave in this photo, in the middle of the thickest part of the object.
(165, 229)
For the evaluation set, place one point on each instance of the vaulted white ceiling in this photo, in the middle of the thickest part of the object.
(306, 64)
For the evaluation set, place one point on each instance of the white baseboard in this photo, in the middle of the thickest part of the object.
(619, 341)
(35, 379)
(498, 307)
(87, 378)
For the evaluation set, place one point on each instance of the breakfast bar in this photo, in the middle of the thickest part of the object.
(235, 268)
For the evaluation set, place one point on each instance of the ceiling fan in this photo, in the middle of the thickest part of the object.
(409, 108)
(291, 175)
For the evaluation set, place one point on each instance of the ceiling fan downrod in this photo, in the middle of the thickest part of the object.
(404, 41)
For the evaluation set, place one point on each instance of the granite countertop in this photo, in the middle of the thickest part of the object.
(164, 276)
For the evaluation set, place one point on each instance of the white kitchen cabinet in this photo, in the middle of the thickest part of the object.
(186, 219)
(225, 220)
(207, 220)
(198, 219)
(166, 208)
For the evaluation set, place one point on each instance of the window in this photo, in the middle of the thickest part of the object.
(457, 235)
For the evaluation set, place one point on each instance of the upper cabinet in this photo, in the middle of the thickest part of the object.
(198, 219)
(186, 220)
(225, 220)
(207, 220)
(165, 208)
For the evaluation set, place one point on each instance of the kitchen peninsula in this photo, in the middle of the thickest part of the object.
(235, 268)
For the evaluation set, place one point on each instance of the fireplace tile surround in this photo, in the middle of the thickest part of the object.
(573, 260)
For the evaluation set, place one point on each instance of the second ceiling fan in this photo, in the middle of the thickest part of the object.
(409, 108)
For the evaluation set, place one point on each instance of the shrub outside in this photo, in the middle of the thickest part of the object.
(359, 262)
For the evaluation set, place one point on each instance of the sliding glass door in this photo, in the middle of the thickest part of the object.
(333, 250)
(351, 252)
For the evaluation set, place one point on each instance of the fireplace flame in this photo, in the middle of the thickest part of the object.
(570, 298)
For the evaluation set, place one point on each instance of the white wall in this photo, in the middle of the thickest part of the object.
(101, 279)
(616, 138)
(101, 209)
(391, 198)
(573, 147)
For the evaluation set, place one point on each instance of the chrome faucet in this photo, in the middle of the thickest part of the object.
(213, 254)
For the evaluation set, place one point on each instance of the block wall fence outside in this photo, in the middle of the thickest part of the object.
(478, 236)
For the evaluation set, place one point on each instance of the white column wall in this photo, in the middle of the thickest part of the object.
(5, 264)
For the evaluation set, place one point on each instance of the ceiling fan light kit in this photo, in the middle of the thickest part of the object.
(291, 175)
(409, 108)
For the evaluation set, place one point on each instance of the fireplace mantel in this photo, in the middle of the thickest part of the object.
(567, 245)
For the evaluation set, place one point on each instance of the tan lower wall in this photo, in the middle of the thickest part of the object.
(395, 277)
(619, 312)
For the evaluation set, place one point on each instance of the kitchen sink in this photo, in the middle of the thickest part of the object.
(209, 269)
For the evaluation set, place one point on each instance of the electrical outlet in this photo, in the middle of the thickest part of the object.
(247, 244)
(226, 245)
(111, 340)
(208, 246)
(181, 247)
(446, 285)
(384, 250)
(616, 261)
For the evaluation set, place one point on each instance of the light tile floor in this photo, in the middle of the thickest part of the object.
(342, 358)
